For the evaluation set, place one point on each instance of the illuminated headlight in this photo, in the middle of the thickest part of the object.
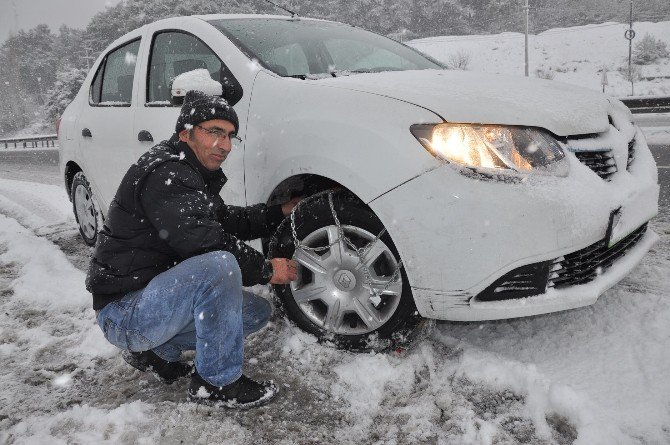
(518, 149)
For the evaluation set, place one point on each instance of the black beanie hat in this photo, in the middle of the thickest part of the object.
(199, 107)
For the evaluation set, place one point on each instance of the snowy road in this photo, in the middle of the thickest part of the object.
(597, 375)
(31, 165)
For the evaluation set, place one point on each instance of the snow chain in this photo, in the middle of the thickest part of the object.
(342, 237)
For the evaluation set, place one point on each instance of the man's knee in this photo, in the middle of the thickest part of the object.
(220, 265)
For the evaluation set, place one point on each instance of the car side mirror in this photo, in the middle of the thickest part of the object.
(198, 79)
(232, 91)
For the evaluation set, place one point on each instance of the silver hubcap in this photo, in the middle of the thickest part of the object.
(332, 289)
(85, 211)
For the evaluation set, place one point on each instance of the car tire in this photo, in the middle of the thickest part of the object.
(331, 297)
(85, 209)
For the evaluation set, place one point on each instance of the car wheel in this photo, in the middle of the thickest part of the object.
(84, 207)
(332, 296)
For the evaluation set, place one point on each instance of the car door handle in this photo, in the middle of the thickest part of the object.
(86, 133)
(144, 136)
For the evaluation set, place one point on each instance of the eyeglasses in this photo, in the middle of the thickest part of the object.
(220, 134)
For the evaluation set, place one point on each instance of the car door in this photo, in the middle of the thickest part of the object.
(176, 51)
(107, 120)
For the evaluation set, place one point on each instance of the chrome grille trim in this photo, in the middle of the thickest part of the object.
(631, 153)
(601, 162)
(586, 264)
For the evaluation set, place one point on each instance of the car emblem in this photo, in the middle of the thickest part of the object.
(345, 280)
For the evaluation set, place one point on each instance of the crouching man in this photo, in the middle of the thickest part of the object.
(169, 265)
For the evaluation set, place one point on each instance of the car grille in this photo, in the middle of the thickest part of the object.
(631, 153)
(579, 267)
(522, 282)
(601, 162)
(585, 265)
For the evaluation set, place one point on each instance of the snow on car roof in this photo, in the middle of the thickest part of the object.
(253, 16)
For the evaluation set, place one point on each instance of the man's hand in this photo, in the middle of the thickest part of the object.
(284, 271)
(287, 207)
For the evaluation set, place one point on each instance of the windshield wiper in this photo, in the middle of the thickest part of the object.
(374, 70)
(311, 76)
(340, 73)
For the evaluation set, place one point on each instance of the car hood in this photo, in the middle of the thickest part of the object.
(467, 97)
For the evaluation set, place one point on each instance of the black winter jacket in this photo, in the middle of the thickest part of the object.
(168, 209)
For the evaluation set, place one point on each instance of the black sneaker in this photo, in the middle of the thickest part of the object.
(243, 393)
(167, 372)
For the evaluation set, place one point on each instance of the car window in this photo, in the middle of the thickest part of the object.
(356, 56)
(113, 83)
(174, 53)
(287, 60)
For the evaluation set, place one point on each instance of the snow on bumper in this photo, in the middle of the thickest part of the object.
(434, 305)
(457, 235)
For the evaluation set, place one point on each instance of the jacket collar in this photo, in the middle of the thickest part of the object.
(214, 179)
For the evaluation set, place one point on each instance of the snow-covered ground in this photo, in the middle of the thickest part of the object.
(576, 55)
(597, 375)
(656, 127)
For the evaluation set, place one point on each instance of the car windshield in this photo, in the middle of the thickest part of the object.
(314, 48)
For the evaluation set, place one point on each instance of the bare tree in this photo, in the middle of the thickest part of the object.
(459, 60)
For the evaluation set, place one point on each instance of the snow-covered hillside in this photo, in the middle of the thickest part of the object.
(574, 55)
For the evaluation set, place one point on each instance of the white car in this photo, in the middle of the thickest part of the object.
(493, 197)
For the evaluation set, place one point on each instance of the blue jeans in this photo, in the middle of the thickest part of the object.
(197, 305)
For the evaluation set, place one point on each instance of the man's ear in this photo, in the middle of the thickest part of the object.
(183, 136)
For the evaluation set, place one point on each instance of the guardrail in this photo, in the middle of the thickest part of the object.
(647, 104)
(46, 140)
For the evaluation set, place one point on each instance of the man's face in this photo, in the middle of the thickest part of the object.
(210, 141)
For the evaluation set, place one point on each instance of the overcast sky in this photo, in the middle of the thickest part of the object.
(29, 13)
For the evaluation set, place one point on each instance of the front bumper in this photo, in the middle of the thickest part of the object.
(454, 307)
(458, 235)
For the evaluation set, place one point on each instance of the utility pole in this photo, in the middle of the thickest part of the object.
(88, 58)
(39, 83)
(87, 50)
(630, 52)
(15, 27)
(526, 8)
